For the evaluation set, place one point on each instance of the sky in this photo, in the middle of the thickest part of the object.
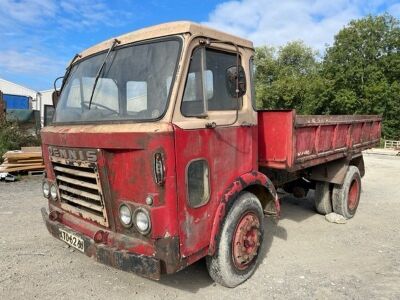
(39, 37)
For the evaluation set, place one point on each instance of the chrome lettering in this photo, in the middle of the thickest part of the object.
(81, 157)
(63, 153)
(91, 155)
(72, 154)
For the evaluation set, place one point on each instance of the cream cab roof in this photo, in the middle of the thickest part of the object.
(167, 29)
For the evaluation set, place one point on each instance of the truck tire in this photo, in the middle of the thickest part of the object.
(323, 198)
(237, 255)
(345, 197)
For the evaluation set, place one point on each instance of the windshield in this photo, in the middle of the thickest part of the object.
(133, 85)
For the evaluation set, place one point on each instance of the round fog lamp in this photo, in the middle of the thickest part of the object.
(142, 221)
(53, 192)
(46, 189)
(125, 215)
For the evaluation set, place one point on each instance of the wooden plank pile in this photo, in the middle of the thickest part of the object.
(26, 159)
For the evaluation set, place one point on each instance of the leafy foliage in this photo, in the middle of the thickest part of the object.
(359, 74)
(12, 137)
(283, 75)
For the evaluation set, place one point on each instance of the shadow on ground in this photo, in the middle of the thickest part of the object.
(191, 279)
(297, 209)
(195, 277)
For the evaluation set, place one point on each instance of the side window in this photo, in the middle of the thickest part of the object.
(191, 87)
(136, 96)
(206, 87)
(198, 183)
(193, 98)
(219, 62)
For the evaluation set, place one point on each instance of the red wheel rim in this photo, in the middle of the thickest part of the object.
(354, 193)
(246, 240)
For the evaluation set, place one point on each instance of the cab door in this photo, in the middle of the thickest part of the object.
(214, 143)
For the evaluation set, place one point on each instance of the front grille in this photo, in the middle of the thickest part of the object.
(79, 189)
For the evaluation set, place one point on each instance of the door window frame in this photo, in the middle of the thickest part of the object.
(205, 202)
(203, 50)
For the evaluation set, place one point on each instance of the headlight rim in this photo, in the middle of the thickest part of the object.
(48, 183)
(146, 212)
(130, 213)
(55, 198)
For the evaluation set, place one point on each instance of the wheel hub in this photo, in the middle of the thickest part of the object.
(246, 240)
(354, 192)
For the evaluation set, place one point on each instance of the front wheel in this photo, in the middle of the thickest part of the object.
(237, 254)
(345, 198)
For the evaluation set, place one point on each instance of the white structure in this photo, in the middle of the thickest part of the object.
(39, 99)
(46, 99)
(8, 87)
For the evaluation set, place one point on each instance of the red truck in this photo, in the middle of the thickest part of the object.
(157, 157)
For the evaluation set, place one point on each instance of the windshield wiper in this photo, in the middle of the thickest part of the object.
(115, 42)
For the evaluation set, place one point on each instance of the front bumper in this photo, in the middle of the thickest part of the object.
(140, 264)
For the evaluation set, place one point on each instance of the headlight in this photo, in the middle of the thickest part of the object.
(53, 192)
(142, 221)
(125, 215)
(46, 189)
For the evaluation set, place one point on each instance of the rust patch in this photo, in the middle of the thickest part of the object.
(146, 266)
(167, 250)
(191, 229)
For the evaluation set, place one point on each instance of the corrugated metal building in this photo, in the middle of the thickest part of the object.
(8, 87)
(14, 91)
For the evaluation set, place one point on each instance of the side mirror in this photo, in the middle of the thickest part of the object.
(54, 97)
(235, 76)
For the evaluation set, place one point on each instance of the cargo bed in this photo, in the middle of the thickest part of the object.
(292, 142)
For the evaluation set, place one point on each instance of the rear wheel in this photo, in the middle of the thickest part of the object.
(237, 254)
(323, 199)
(345, 198)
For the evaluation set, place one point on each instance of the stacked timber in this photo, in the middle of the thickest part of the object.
(26, 159)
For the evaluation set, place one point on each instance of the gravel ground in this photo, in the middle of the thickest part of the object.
(305, 256)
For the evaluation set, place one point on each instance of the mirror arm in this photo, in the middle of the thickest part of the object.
(55, 82)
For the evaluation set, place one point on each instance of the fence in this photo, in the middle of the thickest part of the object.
(389, 144)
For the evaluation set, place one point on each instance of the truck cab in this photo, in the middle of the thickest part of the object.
(138, 171)
(152, 158)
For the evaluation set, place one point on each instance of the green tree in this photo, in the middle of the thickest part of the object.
(363, 66)
(289, 77)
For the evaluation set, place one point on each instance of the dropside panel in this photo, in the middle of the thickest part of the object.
(290, 142)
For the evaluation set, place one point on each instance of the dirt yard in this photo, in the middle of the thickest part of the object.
(306, 257)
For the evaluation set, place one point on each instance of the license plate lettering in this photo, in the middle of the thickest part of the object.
(72, 240)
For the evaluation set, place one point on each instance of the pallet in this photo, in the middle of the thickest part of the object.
(27, 159)
(35, 173)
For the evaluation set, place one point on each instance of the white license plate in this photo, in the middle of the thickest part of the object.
(73, 240)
